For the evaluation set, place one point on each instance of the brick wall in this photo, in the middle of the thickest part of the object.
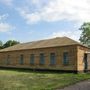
(80, 57)
(15, 56)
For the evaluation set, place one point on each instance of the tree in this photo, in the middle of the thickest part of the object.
(1, 45)
(10, 43)
(85, 35)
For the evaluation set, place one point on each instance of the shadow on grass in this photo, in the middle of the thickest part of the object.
(44, 71)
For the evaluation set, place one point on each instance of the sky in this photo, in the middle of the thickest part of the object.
(29, 20)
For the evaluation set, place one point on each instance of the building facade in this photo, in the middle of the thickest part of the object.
(61, 54)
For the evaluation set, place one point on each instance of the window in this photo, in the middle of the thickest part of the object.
(21, 59)
(32, 59)
(8, 60)
(52, 59)
(42, 58)
(65, 58)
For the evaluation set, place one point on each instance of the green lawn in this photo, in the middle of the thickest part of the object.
(29, 80)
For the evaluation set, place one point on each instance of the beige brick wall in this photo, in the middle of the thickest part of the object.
(15, 56)
(80, 57)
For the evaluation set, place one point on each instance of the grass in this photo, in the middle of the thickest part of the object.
(29, 80)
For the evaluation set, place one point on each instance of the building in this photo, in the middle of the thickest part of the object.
(61, 53)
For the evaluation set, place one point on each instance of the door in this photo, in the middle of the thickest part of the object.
(85, 62)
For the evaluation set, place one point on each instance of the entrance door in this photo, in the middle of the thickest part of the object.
(85, 63)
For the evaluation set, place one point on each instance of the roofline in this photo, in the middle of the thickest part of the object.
(83, 46)
(44, 48)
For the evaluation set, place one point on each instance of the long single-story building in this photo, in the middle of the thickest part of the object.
(60, 53)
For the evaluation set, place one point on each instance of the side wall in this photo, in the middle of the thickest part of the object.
(15, 57)
(80, 58)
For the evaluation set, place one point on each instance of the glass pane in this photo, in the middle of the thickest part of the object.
(8, 59)
(21, 59)
(52, 58)
(65, 58)
(42, 59)
(32, 59)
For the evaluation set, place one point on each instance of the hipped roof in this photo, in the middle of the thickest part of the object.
(54, 42)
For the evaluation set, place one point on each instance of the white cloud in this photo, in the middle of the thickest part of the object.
(5, 27)
(6, 2)
(71, 34)
(36, 1)
(3, 17)
(39, 3)
(30, 18)
(56, 10)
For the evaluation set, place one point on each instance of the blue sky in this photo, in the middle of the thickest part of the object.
(28, 20)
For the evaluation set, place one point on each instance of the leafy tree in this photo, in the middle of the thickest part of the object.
(10, 43)
(1, 45)
(85, 35)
